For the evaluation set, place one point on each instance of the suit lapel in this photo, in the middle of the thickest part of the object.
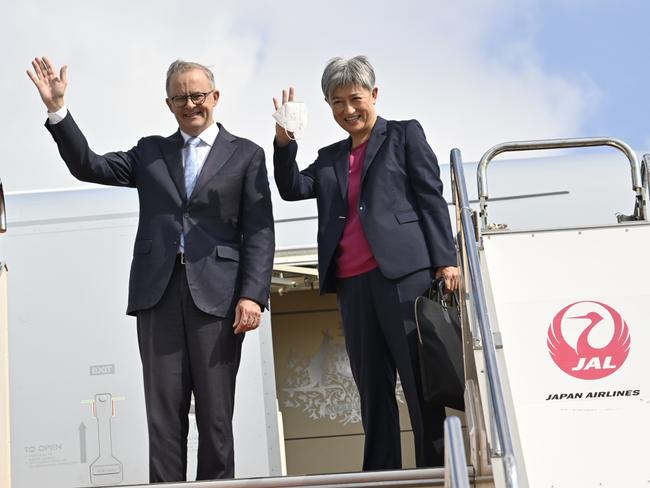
(172, 147)
(219, 154)
(377, 137)
(342, 166)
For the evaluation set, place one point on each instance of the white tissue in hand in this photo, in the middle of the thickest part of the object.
(292, 116)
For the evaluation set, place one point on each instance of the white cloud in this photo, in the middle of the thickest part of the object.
(435, 61)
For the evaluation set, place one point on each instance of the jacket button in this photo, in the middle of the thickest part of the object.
(361, 208)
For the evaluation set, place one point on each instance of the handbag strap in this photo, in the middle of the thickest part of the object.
(437, 290)
(437, 293)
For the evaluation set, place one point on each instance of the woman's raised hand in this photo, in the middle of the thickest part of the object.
(282, 138)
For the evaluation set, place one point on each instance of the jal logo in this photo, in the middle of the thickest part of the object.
(588, 340)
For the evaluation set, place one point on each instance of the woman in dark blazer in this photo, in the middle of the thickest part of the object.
(383, 234)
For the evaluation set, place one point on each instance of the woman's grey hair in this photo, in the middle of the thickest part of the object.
(347, 72)
(179, 66)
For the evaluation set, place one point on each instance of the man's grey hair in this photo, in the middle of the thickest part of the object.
(347, 72)
(179, 66)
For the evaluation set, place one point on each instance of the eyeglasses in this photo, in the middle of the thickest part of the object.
(197, 99)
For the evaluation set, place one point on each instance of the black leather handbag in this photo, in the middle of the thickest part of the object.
(440, 347)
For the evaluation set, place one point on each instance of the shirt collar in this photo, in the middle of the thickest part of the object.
(208, 136)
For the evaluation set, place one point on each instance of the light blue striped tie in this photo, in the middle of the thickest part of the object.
(191, 171)
(191, 164)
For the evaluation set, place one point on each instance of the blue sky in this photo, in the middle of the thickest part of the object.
(606, 42)
(475, 73)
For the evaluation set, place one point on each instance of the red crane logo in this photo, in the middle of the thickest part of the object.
(585, 361)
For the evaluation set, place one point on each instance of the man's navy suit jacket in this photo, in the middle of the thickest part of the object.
(227, 221)
(401, 207)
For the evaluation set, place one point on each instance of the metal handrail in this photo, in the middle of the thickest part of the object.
(455, 460)
(368, 479)
(496, 395)
(3, 215)
(637, 186)
(645, 178)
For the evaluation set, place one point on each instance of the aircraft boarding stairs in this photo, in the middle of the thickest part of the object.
(556, 339)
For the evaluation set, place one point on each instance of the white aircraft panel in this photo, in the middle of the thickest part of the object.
(74, 366)
(571, 307)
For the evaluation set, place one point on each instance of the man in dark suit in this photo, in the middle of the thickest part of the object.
(202, 259)
(383, 234)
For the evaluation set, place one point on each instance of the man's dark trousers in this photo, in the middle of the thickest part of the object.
(185, 351)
